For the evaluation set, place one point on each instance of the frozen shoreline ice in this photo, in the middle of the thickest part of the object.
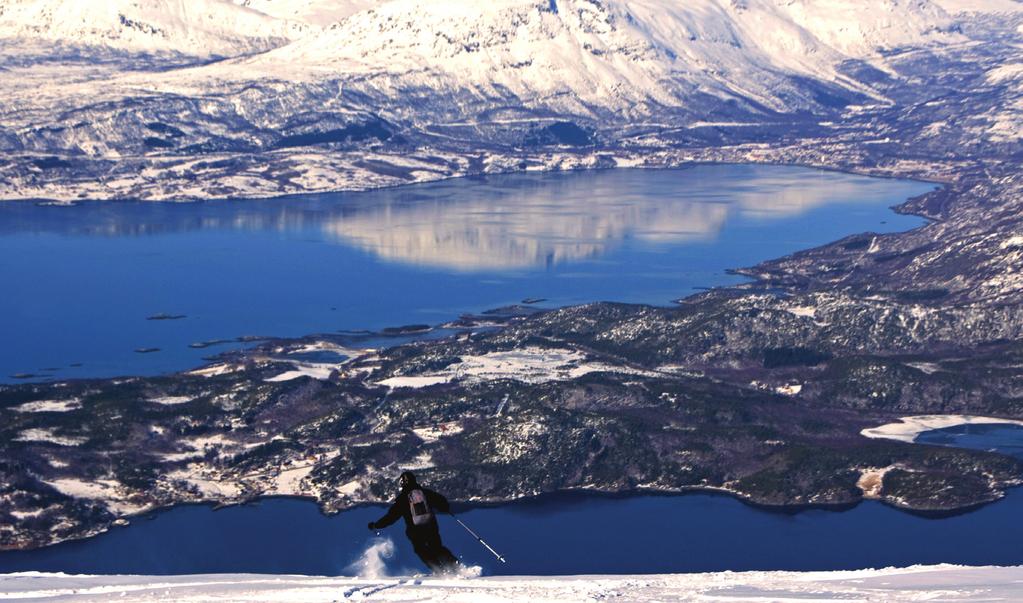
(908, 428)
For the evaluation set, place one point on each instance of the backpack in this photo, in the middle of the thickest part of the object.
(421, 512)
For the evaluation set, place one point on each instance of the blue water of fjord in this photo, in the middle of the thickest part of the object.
(79, 282)
(560, 534)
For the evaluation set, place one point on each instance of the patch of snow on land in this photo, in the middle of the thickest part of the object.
(532, 365)
(327, 346)
(516, 441)
(197, 447)
(316, 371)
(49, 406)
(1013, 241)
(177, 457)
(170, 400)
(927, 368)
(947, 583)
(435, 432)
(350, 488)
(908, 428)
(805, 311)
(422, 461)
(209, 489)
(216, 369)
(528, 365)
(22, 515)
(289, 480)
(202, 443)
(48, 436)
(790, 389)
(104, 490)
(414, 381)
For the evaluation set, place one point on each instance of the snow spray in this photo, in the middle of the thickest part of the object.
(373, 561)
(468, 571)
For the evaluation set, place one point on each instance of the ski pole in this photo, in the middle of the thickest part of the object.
(477, 537)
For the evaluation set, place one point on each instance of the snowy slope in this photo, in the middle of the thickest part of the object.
(316, 13)
(364, 74)
(421, 61)
(629, 57)
(980, 6)
(935, 583)
(862, 28)
(193, 27)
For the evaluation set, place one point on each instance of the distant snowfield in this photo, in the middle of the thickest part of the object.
(528, 365)
(920, 583)
(980, 6)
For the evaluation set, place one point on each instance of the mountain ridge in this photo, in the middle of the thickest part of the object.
(483, 85)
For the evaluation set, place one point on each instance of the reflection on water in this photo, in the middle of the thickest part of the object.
(79, 282)
(515, 222)
(523, 231)
(557, 220)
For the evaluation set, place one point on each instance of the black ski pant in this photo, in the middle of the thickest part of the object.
(426, 543)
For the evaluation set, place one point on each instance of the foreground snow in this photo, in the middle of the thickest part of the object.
(920, 583)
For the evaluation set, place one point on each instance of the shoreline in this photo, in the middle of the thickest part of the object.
(749, 277)
(680, 165)
(752, 280)
(556, 497)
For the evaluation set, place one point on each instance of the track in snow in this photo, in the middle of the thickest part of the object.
(920, 583)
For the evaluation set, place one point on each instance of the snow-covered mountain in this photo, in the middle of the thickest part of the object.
(316, 13)
(418, 74)
(193, 27)
(631, 58)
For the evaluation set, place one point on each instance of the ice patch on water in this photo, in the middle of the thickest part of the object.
(373, 561)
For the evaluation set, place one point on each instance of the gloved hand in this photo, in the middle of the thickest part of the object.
(373, 525)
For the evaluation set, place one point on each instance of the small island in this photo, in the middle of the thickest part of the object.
(164, 316)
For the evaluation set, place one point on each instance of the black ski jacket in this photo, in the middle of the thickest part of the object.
(401, 509)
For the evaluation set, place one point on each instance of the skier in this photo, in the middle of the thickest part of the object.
(417, 505)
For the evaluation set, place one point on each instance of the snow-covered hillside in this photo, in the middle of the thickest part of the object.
(631, 58)
(194, 27)
(980, 6)
(935, 583)
(460, 76)
(316, 13)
